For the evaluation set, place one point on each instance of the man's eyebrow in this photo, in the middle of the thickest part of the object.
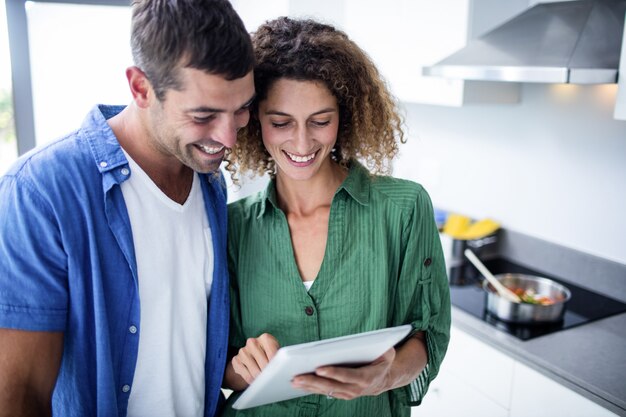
(205, 109)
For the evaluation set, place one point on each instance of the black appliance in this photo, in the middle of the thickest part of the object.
(585, 305)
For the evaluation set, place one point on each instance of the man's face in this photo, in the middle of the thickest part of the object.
(198, 123)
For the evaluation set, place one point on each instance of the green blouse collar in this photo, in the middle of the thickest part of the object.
(356, 185)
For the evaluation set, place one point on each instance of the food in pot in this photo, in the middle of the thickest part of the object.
(532, 289)
(529, 296)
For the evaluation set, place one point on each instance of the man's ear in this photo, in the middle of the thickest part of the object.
(139, 85)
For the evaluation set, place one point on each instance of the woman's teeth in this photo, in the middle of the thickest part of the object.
(211, 150)
(296, 158)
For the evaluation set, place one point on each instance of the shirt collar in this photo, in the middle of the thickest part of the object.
(356, 185)
(104, 146)
(268, 196)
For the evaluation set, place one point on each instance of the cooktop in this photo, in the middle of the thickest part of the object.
(585, 305)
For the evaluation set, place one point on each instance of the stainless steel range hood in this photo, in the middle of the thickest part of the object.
(574, 42)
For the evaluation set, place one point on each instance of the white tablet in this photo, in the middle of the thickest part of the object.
(274, 383)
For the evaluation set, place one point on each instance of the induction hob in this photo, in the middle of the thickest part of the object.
(585, 306)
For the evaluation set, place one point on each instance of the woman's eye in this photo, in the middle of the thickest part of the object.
(321, 124)
(279, 124)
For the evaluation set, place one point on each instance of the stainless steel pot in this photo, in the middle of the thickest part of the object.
(527, 313)
(460, 271)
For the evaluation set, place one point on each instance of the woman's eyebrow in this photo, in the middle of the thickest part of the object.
(280, 113)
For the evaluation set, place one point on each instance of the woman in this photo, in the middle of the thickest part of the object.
(328, 249)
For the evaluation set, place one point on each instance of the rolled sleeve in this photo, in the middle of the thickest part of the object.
(424, 295)
(33, 265)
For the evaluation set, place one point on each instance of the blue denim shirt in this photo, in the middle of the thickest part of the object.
(67, 263)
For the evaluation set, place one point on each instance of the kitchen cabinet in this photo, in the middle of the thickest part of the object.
(402, 36)
(539, 396)
(450, 396)
(474, 380)
(478, 380)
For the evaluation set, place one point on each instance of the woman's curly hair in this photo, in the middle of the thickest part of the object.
(370, 126)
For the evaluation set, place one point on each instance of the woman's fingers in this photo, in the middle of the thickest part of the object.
(254, 356)
(269, 345)
(348, 383)
(246, 366)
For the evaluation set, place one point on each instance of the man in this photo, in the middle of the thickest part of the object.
(113, 279)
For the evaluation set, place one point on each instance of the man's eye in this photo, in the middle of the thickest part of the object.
(201, 120)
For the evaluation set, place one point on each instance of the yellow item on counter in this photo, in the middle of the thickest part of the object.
(456, 225)
(480, 229)
(460, 227)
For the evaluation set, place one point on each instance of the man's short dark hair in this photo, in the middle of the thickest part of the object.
(207, 35)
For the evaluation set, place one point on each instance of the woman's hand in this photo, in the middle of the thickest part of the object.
(250, 361)
(349, 383)
(395, 368)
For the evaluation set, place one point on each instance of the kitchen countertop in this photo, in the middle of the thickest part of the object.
(589, 359)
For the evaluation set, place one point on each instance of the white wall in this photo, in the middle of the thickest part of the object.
(552, 166)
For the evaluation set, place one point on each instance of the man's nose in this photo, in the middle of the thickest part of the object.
(226, 132)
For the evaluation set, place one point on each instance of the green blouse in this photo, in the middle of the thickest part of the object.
(383, 267)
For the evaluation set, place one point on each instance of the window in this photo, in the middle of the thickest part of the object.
(8, 144)
(78, 55)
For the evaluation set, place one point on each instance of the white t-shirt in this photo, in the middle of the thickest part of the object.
(174, 255)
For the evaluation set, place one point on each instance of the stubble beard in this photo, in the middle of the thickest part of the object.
(169, 143)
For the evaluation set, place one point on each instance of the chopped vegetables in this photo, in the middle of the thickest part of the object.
(529, 296)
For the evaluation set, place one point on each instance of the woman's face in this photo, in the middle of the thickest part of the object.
(299, 124)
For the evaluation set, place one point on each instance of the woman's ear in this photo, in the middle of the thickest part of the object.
(139, 85)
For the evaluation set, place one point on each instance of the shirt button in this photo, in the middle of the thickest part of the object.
(309, 310)
(132, 329)
(126, 388)
(428, 261)
(103, 164)
(125, 171)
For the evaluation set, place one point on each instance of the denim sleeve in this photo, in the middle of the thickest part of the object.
(33, 263)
